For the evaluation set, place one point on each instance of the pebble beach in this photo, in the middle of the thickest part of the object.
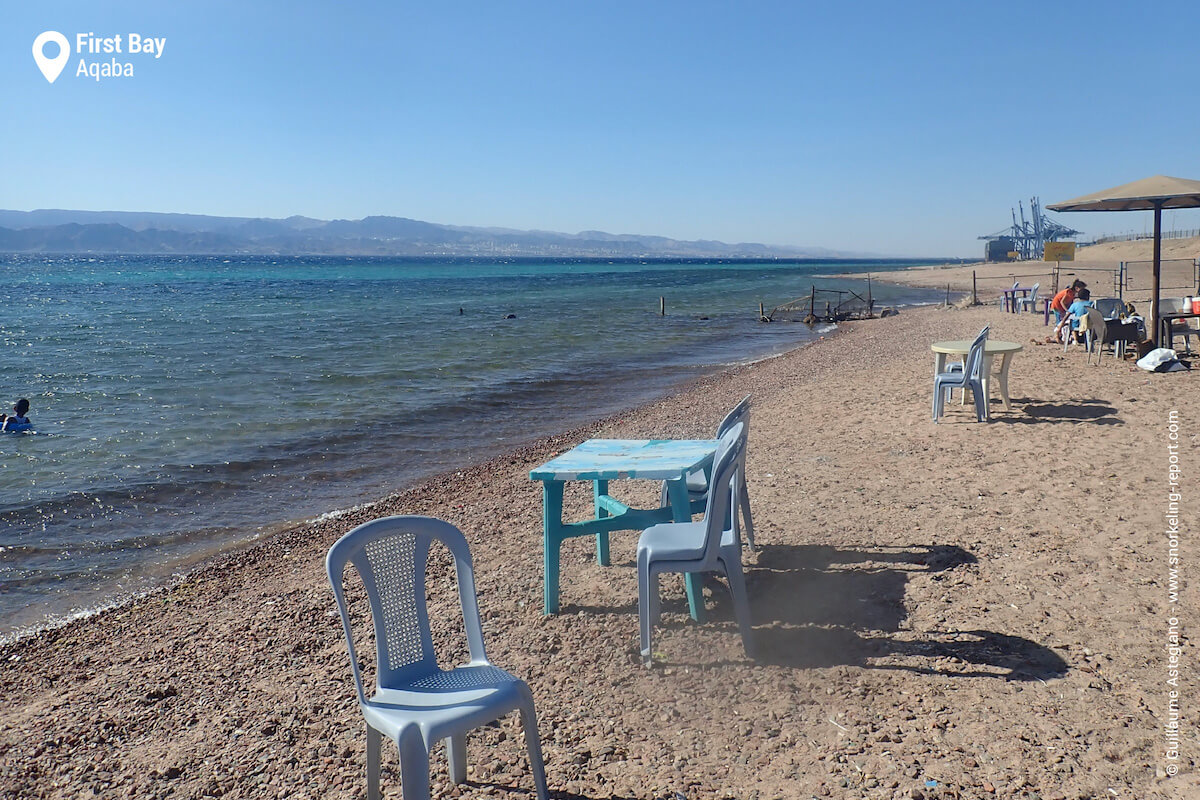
(959, 610)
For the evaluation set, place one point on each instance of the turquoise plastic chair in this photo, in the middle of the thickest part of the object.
(697, 482)
(968, 377)
(704, 546)
(416, 703)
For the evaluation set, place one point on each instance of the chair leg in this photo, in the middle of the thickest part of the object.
(456, 757)
(744, 501)
(937, 406)
(977, 395)
(533, 744)
(647, 603)
(741, 602)
(414, 763)
(374, 742)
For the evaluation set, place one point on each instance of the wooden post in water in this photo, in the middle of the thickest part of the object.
(812, 301)
(761, 312)
(662, 306)
(947, 294)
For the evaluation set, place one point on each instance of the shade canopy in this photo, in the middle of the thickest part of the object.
(1160, 191)
(1148, 194)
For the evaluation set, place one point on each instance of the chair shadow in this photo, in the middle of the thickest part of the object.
(555, 794)
(1096, 412)
(858, 588)
(809, 604)
(955, 654)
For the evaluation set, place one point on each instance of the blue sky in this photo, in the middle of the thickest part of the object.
(895, 128)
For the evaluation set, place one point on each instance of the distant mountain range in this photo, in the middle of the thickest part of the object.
(133, 232)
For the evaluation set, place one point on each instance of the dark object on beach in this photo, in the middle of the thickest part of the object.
(890, 311)
(827, 305)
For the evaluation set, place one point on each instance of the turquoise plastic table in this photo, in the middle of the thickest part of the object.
(604, 460)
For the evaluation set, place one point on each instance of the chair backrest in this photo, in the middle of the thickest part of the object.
(390, 555)
(739, 413)
(1095, 323)
(1016, 283)
(1033, 293)
(1110, 307)
(722, 489)
(975, 354)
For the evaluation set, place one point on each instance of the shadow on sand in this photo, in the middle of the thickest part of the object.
(1097, 412)
(820, 607)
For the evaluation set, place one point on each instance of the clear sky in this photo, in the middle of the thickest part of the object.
(888, 127)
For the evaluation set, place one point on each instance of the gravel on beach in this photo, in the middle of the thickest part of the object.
(958, 610)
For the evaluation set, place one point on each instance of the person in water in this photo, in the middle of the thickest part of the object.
(19, 417)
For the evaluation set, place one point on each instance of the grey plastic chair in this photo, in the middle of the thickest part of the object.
(416, 703)
(1095, 332)
(697, 482)
(704, 546)
(1030, 302)
(968, 377)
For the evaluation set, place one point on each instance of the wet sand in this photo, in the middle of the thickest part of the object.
(957, 610)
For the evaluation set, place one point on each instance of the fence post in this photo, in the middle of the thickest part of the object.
(974, 292)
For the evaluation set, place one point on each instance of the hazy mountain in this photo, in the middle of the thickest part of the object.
(62, 231)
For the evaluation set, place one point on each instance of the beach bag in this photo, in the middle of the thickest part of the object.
(1161, 359)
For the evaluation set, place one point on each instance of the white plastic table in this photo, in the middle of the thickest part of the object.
(993, 348)
(604, 460)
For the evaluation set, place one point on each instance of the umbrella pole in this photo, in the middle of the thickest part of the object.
(1158, 204)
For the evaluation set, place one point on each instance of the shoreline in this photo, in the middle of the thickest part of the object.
(217, 558)
(931, 603)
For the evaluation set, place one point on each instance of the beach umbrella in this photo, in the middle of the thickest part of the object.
(1149, 194)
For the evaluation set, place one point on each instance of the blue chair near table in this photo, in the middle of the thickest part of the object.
(697, 482)
(696, 547)
(968, 377)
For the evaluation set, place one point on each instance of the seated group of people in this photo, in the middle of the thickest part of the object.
(1070, 307)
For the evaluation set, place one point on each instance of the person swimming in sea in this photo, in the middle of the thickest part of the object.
(19, 419)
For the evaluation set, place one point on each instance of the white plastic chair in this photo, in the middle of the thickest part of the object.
(966, 377)
(1029, 303)
(1095, 330)
(704, 546)
(416, 703)
(697, 482)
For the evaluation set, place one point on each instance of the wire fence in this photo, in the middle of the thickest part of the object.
(1134, 237)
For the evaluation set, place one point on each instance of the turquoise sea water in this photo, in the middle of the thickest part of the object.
(185, 405)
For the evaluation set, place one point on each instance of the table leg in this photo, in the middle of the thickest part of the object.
(600, 488)
(552, 502)
(1002, 376)
(681, 511)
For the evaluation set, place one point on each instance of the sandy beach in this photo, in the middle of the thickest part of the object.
(1095, 265)
(959, 610)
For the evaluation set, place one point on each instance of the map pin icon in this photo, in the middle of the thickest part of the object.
(51, 67)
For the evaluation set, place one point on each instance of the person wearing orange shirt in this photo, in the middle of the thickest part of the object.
(1064, 299)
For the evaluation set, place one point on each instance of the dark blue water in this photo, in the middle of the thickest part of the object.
(186, 405)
